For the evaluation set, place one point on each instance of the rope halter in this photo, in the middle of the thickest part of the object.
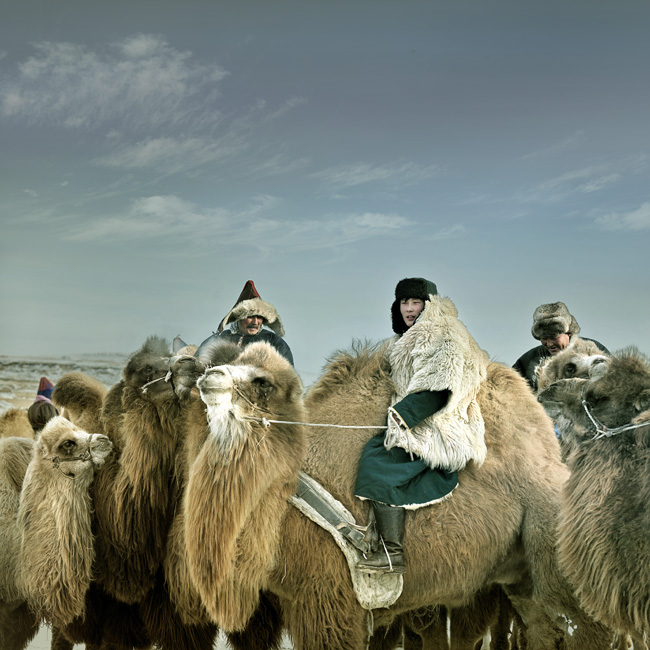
(603, 431)
(83, 457)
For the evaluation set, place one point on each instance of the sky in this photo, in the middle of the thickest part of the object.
(157, 154)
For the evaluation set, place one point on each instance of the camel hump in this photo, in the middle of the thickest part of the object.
(15, 455)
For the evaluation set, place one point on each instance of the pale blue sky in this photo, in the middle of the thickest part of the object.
(156, 155)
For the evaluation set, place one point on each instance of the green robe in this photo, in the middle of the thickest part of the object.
(393, 476)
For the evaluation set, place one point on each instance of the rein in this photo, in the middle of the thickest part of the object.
(265, 422)
(167, 377)
(603, 431)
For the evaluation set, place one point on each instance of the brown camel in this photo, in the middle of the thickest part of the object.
(136, 495)
(14, 422)
(603, 544)
(498, 527)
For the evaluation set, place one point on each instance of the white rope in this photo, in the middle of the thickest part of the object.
(603, 431)
(267, 423)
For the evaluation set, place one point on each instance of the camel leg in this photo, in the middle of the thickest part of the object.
(541, 632)
(61, 642)
(589, 635)
(426, 629)
(323, 618)
(387, 638)
(263, 630)
(18, 626)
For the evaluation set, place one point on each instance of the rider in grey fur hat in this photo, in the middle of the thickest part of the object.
(556, 329)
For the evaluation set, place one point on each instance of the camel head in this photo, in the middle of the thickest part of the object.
(72, 451)
(258, 384)
(147, 371)
(615, 394)
(574, 361)
(186, 369)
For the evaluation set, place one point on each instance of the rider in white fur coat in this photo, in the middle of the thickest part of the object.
(435, 425)
(438, 353)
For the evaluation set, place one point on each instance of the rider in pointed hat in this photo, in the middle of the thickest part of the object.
(251, 319)
(42, 410)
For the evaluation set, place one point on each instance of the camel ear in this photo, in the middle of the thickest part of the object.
(597, 370)
(642, 402)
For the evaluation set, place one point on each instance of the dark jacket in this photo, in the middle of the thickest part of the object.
(246, 339)
(527, 362)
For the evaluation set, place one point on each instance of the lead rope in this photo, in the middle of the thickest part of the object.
(602, 431)
(266, 423)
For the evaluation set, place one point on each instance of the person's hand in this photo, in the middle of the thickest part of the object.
(395, 422)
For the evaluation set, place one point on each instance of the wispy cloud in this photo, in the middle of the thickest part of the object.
(171, 217)
(558, 147)
(397, 174)
(141, 80)
(584, 180)
(634, 220)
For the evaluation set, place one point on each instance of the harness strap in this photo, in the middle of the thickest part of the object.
(307, 492)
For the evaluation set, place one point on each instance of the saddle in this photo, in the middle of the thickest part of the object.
(373, 591)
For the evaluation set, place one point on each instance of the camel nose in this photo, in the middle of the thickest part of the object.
(102, 443)
(216, 379)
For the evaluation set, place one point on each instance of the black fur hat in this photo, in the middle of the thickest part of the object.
(551, 320)
(405, 289)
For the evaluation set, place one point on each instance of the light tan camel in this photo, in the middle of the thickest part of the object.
(574, 361)
(14, 422)
(498, 528)
(603, 545)
(18, 624)
(55, 519)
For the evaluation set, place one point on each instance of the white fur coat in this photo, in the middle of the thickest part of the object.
(438, 353)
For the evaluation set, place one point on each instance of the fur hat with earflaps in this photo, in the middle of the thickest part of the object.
(248, 304)
(405, 289)
(551, 320)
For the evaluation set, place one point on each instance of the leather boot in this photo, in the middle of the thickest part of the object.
(389, 557)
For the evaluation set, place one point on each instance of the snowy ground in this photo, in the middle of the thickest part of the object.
(19, 376)
(44, 637)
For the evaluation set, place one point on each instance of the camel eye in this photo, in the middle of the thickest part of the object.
(68, 445)
(262, 385)
(570, 370)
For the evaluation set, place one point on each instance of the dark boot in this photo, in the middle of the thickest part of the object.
(389, 557)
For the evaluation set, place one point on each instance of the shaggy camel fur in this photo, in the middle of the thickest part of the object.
(14, 422)
(241, 479)
(18, 624)
(603, 545)
(55, 520)
(136, 496)
(573, 361)
(80, 399)
(498, 528)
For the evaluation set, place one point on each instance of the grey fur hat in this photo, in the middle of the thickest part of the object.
(551, 320)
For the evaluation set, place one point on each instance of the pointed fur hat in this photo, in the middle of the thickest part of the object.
(250, 303)
(551, 320)
(45, 388)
